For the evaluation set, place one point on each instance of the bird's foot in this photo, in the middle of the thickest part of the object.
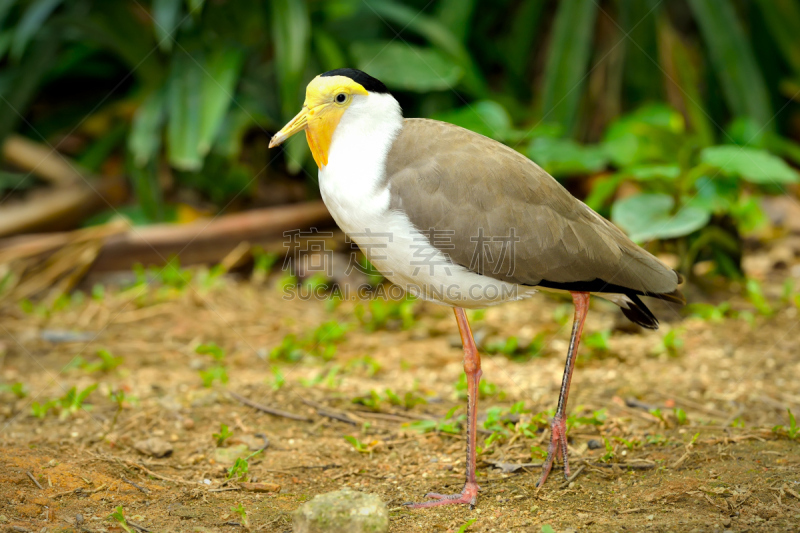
(558, 446)
(467, 496)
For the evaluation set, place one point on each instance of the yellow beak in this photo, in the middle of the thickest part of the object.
(298, 123)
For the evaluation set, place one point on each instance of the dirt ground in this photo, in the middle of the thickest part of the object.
(683, 440)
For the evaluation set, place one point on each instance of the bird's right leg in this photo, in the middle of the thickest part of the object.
(558, 426)
(472, 368)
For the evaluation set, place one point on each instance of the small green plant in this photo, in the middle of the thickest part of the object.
(224, 434)
(610, 453)
(466, 525)
(596, 418)
(381, 313)
(366, 363)
(18, 389)
(755, 295)
(547, 528)
(241, 467)
(598, 342)
(672, 343)
(486, 389)
(40, 410)
(240, 510)
(449, 424)
(290, 350)
(357, 444)
(215, 372)
(711, 312)
(73, 401)
(329, 379)
(119, 517)
(278, 381)
(630, 444)
(118, 397)
(513, 349)
(262, 264)
(792, 431)
(681, 417)
(107, 362)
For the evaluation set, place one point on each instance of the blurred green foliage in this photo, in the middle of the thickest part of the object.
(691, 103)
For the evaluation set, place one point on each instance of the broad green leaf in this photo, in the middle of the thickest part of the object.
(291, 32)
(30, 24)
(166, 17)
(649, 216)
(457, 16)
(5, 7)
(565, 157)
(568, 55)
(145, 136)
(184, 107)
(328, 52)
(733, 60)
(783, 20)
(515, 47)
(221, 73)
(751, 164)
(486, 117)
(443, 35)
(649, 172)
(406, 67)
(652, 133)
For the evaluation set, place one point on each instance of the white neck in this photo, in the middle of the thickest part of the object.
(362, 140)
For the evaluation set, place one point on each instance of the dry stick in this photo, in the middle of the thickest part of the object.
(129, 482)
(159, 476)
(573, 477)
(34, 480)
(265, 409)
(137, 526)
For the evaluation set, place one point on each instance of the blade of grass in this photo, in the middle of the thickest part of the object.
(733, 60)
(291, 31)
(30, 24)
(567, 59)
(184, 101)
(145, 136)
(166, 15)
(222, 69)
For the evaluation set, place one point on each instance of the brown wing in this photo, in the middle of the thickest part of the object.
(496, 212)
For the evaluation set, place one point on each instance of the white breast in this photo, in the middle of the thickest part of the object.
(351, 187)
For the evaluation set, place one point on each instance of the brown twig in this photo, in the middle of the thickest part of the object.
(34, 480)
(573, 477)
(268, 410)
(129, 482)
(159, 476)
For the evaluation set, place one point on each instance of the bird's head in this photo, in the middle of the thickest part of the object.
(328, 97)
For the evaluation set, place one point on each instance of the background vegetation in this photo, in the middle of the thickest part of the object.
(673, 118)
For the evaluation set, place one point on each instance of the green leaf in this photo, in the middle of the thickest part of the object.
(649, 216)
(567, 59)
(445, 34)
(291, 31)
(565, 157)
(30, 24)
(650, 172)
(166, 17)
(184, 104)
(145, 136)
(222, 68)
(733, 60)
(406, 67)
(486, 117)
(751, 164)
(652, 133)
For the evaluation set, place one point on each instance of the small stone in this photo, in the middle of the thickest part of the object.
(79, 519)
(594, 444)
(343, 510)
(154, 446)
(726, 522)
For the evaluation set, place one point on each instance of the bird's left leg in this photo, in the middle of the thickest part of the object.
(558, 426)
(472, 368)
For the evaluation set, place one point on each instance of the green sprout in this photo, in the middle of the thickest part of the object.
(793, 431)
(239, 509)
(107, 362)
(119, 517)
(224, 434)
(357, 444)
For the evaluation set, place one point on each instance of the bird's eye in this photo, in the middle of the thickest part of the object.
(341, 98)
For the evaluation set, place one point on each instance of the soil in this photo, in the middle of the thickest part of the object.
(719, 467)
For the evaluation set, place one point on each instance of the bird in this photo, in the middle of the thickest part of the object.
(462, 220)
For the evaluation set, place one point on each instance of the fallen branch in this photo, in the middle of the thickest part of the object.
(265, 409)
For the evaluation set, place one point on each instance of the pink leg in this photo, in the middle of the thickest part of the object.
(558, 427)
(472, 367)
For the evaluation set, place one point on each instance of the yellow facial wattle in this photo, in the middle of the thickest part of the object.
(327, 98)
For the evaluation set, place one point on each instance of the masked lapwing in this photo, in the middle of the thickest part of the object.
(459, 219)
